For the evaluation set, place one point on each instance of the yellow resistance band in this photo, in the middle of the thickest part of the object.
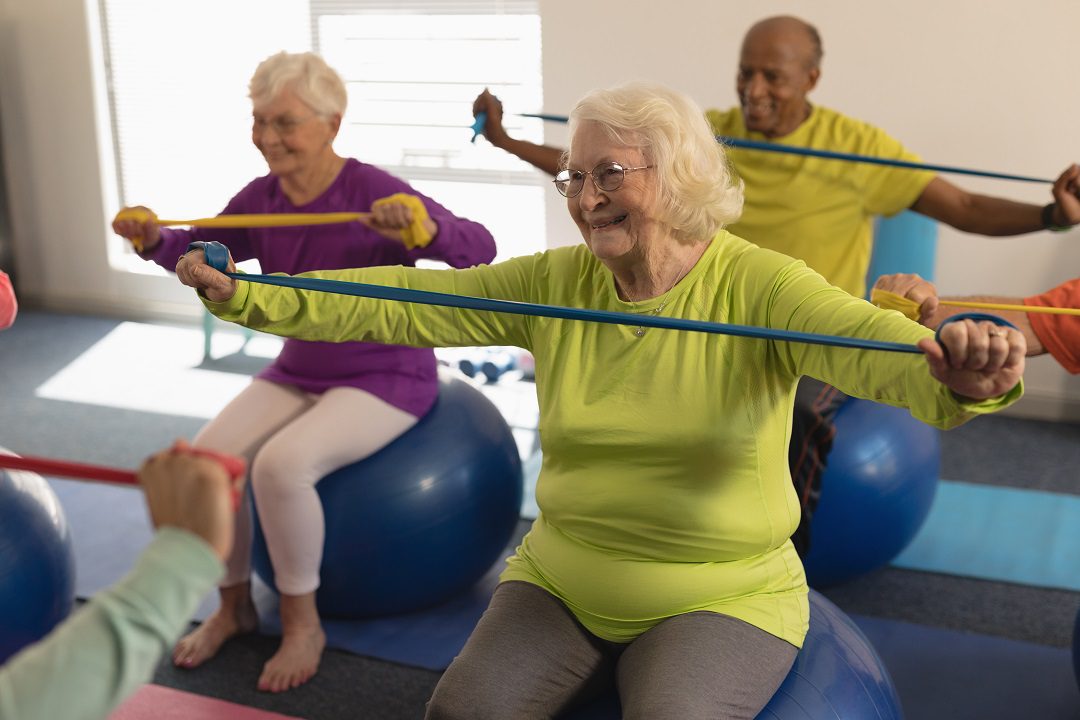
(891, 301)
(415, 235)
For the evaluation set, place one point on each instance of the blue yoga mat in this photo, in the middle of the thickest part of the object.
(1027, 537)
(948, 675)
(109, 528)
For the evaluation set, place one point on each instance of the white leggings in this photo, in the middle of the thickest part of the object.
(291, 439)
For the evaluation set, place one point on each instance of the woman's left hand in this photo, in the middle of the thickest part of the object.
(391, 218)
(976, 360)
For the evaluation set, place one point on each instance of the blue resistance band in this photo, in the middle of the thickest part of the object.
(481, 118)
(217, 257)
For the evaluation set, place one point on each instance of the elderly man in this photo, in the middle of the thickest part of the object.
(819, 210)
(815, 209)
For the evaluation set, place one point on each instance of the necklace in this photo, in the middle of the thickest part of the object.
(640, 332)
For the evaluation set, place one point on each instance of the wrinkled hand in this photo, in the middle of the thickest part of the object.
(976, 360)
(191, 492)
(393, 217)
(1067, 197)
(915, 288)
(192, 270)
(139, 226)
(493, 127)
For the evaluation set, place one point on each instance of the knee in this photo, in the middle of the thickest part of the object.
(275, 472)
(462, 695)
(455, 701)
(446, 705)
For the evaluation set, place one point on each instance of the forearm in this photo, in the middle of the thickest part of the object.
(986, 215)
(95, 659)
(898, 379)
(979, 214)
(1020, 319)
(542, 157)
(329, 317)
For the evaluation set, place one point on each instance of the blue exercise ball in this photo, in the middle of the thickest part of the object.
(836, 676)
(422, 519)
(37, 564)
(879, 482)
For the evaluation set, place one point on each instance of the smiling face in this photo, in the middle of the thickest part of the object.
(777, 68)
(290, 135)
(619, 226)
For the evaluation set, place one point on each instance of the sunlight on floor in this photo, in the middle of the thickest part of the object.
(154, 368)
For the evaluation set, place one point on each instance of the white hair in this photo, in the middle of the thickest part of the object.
(316, 84)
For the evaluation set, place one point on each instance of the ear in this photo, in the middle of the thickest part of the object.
(812, 76)
(334, 121)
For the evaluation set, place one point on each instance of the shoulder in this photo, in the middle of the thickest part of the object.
(843, 132)
(259, 187)
(362, 183)
(724, 122)
(741, 263)
(561, 264)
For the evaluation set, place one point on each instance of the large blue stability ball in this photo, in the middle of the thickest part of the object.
(37, 564)
(879, 482)
(422, 519)
(836, 676)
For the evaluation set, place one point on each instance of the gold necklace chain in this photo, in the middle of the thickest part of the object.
(640, 332)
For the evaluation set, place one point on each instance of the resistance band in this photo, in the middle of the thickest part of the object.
(910, 308)
(217, 257)
(99, 473)
(481, 118)
(415, 235)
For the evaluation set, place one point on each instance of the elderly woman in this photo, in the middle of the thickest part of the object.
(661, 556)
(319, 406)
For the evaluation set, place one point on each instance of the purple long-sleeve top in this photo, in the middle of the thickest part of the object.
(403, 376)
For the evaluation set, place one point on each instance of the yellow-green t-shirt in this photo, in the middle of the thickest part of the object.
(819, 210)
(665, 486)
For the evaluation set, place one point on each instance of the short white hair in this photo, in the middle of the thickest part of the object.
(316, 84)
(698, 188)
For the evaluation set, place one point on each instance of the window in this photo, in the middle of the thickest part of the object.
(177, 74)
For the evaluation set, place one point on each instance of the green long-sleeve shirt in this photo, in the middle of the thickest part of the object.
(665, 485)
(109, 648)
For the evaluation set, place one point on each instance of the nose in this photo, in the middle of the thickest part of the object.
(591, 197)
(262, 133)
(754, 86)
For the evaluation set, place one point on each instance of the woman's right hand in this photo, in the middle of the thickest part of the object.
(139, 225)
(193, 271)
(916, 289)
(193, 492)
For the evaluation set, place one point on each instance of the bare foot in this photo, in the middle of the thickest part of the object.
(296, 660)
(203, 642)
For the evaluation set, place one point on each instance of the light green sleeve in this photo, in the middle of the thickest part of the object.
(326, 317)
(802, 300)
(109, 648)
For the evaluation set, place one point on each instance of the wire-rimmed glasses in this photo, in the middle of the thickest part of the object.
(607, 177)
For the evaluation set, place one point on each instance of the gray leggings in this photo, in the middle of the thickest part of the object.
(530, 658)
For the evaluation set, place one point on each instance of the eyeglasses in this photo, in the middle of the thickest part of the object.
(607, 177)
(283, 126)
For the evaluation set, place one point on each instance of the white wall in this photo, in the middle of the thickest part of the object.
(963, 82)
